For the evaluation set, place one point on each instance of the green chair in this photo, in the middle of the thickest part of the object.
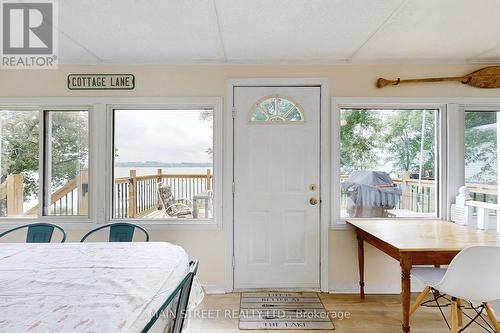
(119, 232)
(38, 232)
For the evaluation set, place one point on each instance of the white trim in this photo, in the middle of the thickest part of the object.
(290, 62)
(99, 133)
(482, 101)
(338, 103)
(43, 110)
(177, 104)
(451, 139)
(228, 216)
(213, 289)
(384, 289)
(455, 150)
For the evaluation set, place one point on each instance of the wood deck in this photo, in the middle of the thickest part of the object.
(160, 214)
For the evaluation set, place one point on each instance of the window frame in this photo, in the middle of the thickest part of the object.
(42, 105)
(475, 108)
(99, 147)
(281, 122)
(43, 159)
(213, 104)
(339, 222)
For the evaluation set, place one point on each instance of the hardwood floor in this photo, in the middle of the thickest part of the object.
(376, 314)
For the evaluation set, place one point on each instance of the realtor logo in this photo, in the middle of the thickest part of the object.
(29, 35)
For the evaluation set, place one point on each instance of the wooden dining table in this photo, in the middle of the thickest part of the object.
(415, 242)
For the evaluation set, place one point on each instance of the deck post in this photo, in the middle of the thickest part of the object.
(158, 181)
(83, 190)
(132, 194)
(15, 195)
(405, 187)
(209, 180)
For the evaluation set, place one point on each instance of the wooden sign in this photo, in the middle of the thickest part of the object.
(101, 81)
(488, 77)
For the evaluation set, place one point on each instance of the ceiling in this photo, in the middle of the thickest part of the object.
(278, 31)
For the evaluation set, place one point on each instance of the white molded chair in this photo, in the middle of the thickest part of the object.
(473, 276)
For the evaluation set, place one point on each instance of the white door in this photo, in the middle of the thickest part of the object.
(276, 175)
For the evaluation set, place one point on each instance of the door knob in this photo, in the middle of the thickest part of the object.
(313, 201)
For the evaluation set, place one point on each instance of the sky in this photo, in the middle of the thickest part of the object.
(171, 136)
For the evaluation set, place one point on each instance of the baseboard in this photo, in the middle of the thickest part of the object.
(373, 289)
(213, 289)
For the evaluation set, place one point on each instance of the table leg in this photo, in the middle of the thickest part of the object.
(361, 263)
(406, 264)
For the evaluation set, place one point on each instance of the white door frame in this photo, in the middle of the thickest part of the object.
(228, 171)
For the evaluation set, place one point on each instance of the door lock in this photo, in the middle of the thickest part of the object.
(313, 201)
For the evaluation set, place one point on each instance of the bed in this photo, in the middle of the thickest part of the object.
(95, 287)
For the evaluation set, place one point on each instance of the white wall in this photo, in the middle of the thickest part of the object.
(382, 273)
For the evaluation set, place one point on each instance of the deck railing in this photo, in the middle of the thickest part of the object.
(136, 196)
(133, 196)
(416, 197)
(421, 196)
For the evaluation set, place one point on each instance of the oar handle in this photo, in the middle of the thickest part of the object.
(381, 82)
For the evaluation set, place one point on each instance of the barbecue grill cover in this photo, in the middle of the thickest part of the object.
(370, 189)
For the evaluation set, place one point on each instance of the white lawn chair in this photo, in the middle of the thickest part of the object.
(473, 276)
(173, 207)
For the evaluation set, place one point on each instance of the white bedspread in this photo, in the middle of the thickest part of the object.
(86, 287)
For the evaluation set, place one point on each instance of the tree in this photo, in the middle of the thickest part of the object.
(208, 116)
(481, 146)
(69, 146)
(403, 137)
(359, 135)
(19, 147)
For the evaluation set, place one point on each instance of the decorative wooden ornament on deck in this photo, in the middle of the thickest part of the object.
(488, 77)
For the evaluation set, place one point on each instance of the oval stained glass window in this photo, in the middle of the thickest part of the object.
(276, 109)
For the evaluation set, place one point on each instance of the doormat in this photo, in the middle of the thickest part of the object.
(283, 311)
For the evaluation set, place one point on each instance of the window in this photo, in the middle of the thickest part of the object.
(66, 161)
(65, 157)
(388, 162)
(481, 154)
(163, 164)
(276, 109)
(19, 163)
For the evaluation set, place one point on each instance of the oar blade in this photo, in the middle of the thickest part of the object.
(488, 77)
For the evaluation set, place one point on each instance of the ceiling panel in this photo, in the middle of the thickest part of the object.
(70, 51)
(304, 30)
(143, 31)
(434, 30)
(307, 31)
(491, 54)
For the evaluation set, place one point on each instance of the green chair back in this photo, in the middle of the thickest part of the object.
(119, 232)
(38, 232)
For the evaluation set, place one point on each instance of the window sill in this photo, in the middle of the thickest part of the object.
(341, 224)
(159, 225)
(85, 224)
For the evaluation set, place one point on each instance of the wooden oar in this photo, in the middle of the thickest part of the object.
(488, 77)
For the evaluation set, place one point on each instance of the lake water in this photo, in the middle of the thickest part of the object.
(145, 171)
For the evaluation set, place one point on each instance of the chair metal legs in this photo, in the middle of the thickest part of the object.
(492, 317)
(419, 300)
(456, 311)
